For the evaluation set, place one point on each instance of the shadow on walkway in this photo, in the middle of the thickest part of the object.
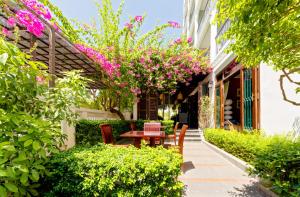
(245, 191)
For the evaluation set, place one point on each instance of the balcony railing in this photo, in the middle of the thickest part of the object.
(221, 31)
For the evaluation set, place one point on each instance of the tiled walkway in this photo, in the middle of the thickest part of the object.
(208, 174)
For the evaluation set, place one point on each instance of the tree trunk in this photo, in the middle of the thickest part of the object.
(113, 110)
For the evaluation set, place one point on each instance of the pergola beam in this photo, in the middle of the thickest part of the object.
(52, 57)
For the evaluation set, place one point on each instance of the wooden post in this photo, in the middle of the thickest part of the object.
(222, 103)
(52, 57)
(255, 96)
(242, 97)
(199, 89)
(32, 42)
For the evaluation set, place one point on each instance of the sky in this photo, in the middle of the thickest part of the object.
(157, 11)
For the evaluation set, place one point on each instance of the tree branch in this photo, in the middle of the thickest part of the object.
(291, 72)
(283, 91)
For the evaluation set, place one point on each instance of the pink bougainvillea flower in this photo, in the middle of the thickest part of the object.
(112, 70)
(173, 24)
(129, 26)
(11, 21)
(178, 41)
(33, 24)
(55, 26)
(39, 79)
(39, 8)
(6, 32)
(173, 92)
(190, 40)
(138, 19)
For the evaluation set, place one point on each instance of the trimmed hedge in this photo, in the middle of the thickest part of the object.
(104, 170)
(89, 133)
(241, 145)
(276, 159)
(279, 164)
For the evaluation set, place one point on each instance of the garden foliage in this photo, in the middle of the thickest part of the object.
(104, 170)
(276, 159)
(265, 31)
(30, 115)
(88, 131)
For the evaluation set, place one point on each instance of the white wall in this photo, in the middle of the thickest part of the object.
(277, 115)
(84, 113)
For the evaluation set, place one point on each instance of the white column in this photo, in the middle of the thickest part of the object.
(135, 109)
(69, 131)
(213, 34)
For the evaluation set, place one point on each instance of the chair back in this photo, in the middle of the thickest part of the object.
(107, 135)
(181, 137)
(152, 126)
(175, 128)
(133, 126)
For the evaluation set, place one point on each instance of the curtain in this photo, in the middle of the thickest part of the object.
(226, 87)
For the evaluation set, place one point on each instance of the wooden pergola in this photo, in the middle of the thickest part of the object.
(55, 50)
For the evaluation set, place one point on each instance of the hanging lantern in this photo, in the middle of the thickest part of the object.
(180, 96)
(162, 97)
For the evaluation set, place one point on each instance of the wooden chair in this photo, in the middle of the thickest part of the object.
(107, 135)
(180, 140)
(152, 126)
(173, 136)
(133, 126)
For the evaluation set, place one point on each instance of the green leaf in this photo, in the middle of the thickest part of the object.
(3, 173)
(28, 143)
(9, 148)
(24, 179)
(35, 175)
(3, 192)
(24, 138)
(3, 58)
(21, 157)
(23, 168)
(11, 187)
(2, 161)
(36, 145)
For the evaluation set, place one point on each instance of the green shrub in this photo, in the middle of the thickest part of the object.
(279, 164)
(104, 170)
(241, 145)
(30, 117)
(88, 131)
(276, 159)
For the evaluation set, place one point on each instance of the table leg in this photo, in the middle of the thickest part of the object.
(137, 142)
(152, 141)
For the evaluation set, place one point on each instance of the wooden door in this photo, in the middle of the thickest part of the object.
(148, 107)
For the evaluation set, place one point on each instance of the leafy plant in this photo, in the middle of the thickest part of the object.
(279, 164)
(264, 31)
(105, 170)
(243, 146)
(205, 112)
(30, 115)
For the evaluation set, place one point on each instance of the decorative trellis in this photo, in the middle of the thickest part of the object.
(55, 50)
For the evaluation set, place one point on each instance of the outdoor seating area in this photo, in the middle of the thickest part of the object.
(152, 132)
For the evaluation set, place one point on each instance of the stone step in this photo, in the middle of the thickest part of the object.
(192, 140)
(189, 131)
(190, 134)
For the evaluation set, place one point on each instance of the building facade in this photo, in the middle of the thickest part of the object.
(245, 98)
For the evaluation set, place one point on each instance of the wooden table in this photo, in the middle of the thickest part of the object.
(139, 135)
